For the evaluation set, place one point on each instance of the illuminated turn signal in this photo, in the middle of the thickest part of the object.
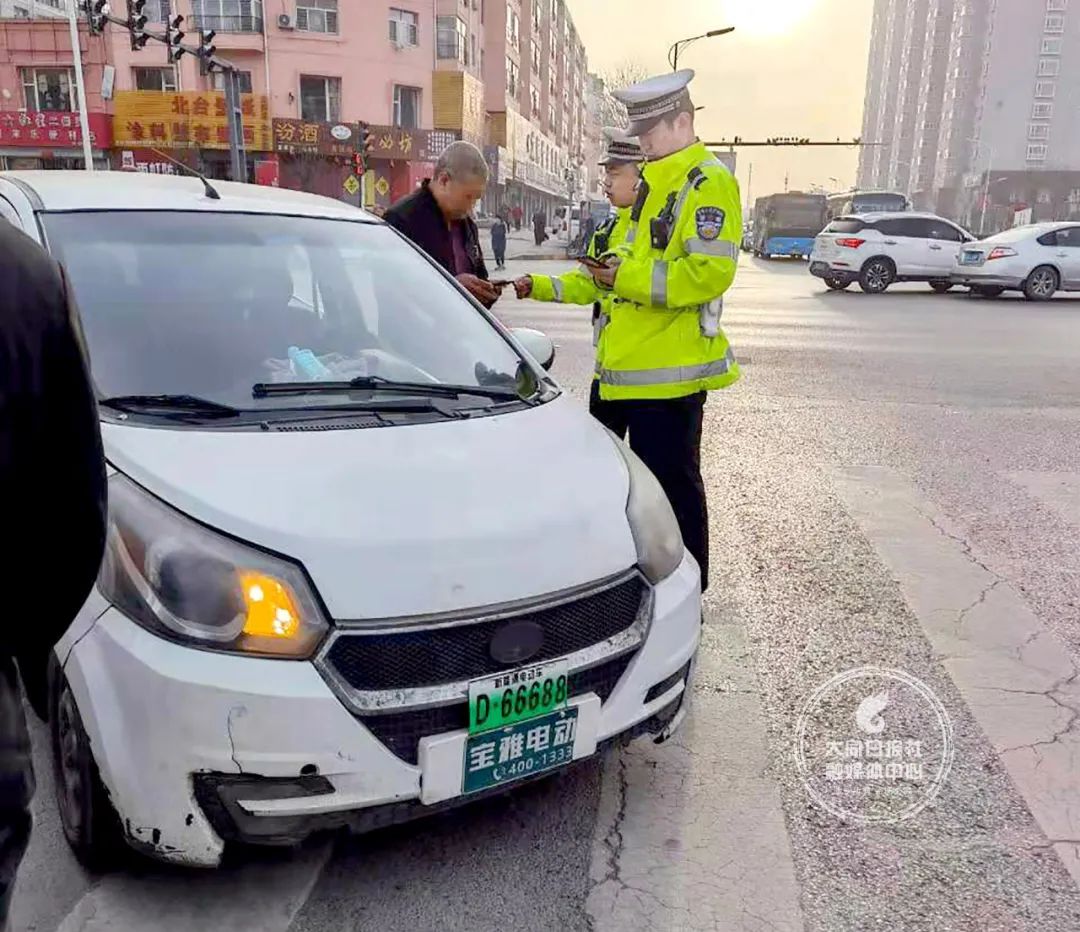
(271, 609)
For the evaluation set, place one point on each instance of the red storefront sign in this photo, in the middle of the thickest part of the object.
(36, 129)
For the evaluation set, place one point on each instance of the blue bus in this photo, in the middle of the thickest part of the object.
(786, 224)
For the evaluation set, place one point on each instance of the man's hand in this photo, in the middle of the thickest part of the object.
(606, 276)
(483, 291)
(523, 286)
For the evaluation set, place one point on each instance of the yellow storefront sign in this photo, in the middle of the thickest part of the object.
(187, 120)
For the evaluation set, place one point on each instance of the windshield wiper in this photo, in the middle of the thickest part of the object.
(187, 405)
(378, 383)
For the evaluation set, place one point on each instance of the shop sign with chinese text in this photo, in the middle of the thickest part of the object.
(53, 129)
(188, 119)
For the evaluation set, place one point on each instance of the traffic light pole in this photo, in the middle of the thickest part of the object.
(80, 86)
(235, 114)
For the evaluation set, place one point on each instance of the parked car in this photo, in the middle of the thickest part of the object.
(1039, 260)
(336, 590)
(878, 249)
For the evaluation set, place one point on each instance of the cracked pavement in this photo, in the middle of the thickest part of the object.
(896, 482)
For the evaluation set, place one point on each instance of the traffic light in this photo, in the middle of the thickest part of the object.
(364, 144)
(359, 166)
(207, 49)
(173, 38)
(137, 20)
(97, 12)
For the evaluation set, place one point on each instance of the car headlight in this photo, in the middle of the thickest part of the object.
(653, 525)
(188, 583)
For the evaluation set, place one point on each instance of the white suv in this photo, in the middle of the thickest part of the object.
(878, 249)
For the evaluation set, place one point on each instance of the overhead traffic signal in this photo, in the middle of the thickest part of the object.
(97, 13)
(173, 39)
(137, 20)
(207, 49)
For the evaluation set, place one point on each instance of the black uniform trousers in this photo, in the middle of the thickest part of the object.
(666, 435)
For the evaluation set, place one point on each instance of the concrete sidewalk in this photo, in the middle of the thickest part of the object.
(520, 244)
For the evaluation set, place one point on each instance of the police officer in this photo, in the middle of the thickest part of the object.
(663, 348)
(622, 178)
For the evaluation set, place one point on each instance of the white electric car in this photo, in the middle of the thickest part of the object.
(337, 592)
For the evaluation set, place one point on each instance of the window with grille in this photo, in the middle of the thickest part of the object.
(320, 98)
(1039, 131)
(1054, 24)
(48, 88)
(243, 80)
(404, 27)
(1042, 111)
(1045, 88)
(1036, 152)
(1051, 47)
(1052, 5)
(317, 16)
(406, 106)
(227, 15)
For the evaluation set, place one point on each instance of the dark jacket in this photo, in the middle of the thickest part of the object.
(418, 217)
(52, 483)
(498, 234)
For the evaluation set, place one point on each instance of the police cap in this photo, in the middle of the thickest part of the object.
(622, 148)
(649, 101)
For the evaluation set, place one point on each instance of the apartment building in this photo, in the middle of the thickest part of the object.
(961, 90)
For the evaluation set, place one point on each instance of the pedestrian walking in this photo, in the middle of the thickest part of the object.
(437, 218)
(498, 242)
(664, 348)
(50, 457)
(539, 221)
(519, 215)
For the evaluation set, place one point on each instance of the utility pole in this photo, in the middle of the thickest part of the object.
(750, 186)
(80, 87)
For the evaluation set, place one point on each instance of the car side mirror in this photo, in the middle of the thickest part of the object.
(538, 345)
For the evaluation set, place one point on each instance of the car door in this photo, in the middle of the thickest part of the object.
(900, 244)
(943, 247)
(1067, 254)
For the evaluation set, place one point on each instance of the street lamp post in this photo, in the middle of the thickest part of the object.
(673, 52)
(80, 87)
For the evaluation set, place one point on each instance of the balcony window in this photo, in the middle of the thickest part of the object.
(1036, 152)
(404, 27)
(406, 106)
(1042, 111)
(1045, 88)
(320, 98)
(1051, 47)
(1038, 131)
(48, 88)
(317, 16)
(227, 15)
(155, 79)
(1053, 5)
(511, 77)
(1049, 67)
(450, 35)
(1054, 24)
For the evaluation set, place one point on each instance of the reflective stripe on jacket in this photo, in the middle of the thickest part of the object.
(664, 338)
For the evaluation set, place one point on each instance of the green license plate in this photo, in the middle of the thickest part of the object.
(517, 695)
(519, 750)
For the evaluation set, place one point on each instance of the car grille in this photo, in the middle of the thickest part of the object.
(401, 731)
(417, 657)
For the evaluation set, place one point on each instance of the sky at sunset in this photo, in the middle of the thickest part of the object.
(791, 68)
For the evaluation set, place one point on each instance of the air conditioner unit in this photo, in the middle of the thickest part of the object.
(285, 21)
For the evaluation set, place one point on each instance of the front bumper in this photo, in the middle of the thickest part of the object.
(199, 748)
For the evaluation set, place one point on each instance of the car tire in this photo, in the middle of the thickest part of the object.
(987, 291)
(877, 274)
(941, 287)
(90, 823)
(836, 284)
(1041, 284)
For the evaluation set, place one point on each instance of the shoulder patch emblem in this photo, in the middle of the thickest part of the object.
(710, 222)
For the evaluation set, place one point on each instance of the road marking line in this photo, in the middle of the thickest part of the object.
(253, 897)
(1015, 676)
(691, 833)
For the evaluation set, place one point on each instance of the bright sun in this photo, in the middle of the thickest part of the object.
(763, 18)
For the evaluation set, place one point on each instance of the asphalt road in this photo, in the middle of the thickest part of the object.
(896, 483)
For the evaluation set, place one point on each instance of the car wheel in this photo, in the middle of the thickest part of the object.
(876, 275)
(837, 284)
(1041, 284)
(987, 291)
(941, 287)
(88, 818)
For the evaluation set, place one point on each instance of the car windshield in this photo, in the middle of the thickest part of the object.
(209, 304)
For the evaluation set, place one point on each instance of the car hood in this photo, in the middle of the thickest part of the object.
(406, 520)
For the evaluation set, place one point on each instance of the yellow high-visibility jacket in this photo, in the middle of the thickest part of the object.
(664, 338)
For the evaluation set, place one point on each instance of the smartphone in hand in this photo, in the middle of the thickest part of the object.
(590, 263)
